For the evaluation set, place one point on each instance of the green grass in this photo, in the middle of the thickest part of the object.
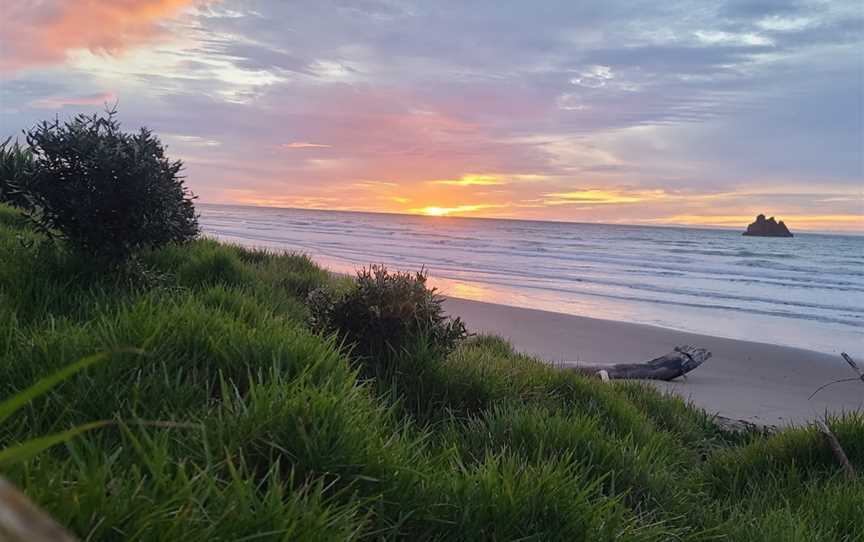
(238, 423)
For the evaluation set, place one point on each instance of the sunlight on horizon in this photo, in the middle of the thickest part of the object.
(435, 211)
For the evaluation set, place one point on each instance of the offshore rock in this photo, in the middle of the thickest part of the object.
(767, 228)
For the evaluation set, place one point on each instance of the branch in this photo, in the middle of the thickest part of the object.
(848, 359)
(823, 386)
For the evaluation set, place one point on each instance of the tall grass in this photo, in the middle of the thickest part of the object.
(239, 423)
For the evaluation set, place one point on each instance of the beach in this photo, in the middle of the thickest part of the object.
(761, 383)
(645, 289)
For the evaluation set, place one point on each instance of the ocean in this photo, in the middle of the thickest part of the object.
(806, 292)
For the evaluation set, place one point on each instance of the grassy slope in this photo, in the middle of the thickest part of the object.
(280, 438)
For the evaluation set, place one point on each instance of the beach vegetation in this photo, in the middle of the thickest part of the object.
(245, 412)
(383, 312)
(106, 192)
(16, 166)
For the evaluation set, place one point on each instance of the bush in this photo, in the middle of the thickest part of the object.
(107, 192)
(16, 164)
(386, 312)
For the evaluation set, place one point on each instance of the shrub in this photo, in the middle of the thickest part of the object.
(386, 312)
(109, 193)
(16, 164)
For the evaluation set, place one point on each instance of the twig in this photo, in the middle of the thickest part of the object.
(823, 386)
(848, 359)
(837, 450)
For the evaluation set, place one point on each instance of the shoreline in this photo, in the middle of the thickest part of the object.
(761, 383)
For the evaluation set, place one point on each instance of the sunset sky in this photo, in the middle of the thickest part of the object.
(637, 112)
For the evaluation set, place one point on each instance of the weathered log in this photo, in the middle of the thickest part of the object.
(23, 521)
(734, 425)
(676, 363)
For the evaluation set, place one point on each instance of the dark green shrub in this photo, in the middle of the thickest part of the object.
(109, 193)
(386, 312)
(16, 165)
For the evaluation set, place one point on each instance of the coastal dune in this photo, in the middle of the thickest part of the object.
(760, 383)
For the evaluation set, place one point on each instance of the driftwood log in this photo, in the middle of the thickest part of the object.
(676, 363)
(734, 425)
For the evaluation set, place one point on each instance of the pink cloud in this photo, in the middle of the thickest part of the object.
(303, 145)
(58, 102)
(42, 33)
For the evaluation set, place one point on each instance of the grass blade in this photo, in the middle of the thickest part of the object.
(9, 406)
(27, 449)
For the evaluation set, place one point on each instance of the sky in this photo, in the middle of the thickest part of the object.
(640, 112)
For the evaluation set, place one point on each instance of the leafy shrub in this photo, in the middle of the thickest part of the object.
(109, 193)
(16, 164)
(386, 312)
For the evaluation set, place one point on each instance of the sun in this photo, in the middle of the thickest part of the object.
(435, 211)
(447, 211)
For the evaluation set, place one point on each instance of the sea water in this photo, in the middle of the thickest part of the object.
(806, 292)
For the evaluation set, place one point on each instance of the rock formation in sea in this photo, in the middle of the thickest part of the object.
(767, 228)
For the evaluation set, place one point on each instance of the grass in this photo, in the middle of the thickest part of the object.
(238, 423)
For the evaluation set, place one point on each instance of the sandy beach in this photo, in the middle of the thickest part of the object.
(761, 383)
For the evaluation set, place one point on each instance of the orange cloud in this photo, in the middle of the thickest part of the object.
(836, 222)
(604, 197)
(472, 180)
(42, 33)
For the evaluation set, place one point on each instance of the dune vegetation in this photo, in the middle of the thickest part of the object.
(241, 419)
(215, 392)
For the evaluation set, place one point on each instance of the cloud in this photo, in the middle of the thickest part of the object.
(713, 37)
(373, 185)
(42, 33)
(472, 180)
(601, 197)
(303, 145)
(192, 140)
(594, 77)
(836, 222)
(777, 23)
(726, 108)
(59, 102)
